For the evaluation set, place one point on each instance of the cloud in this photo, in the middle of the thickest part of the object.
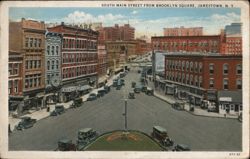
(82, 17)
(134, 12)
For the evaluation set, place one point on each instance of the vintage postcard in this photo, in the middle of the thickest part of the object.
(124, 79)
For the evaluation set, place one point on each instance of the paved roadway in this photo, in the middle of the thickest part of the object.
(105, 114)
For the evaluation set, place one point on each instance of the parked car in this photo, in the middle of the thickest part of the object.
(133, 84)
(107, 88)
(122, 82)
(85, 136)
(139, 71)
(101, 92)
(59, 109)
(212, 108)
(66, 145)
(149, 91)
(77, 102)
(144, 89)
(131, 95)
(178, 105)
(92, 96)
(115, 82)
(181, 147)
(25, 123)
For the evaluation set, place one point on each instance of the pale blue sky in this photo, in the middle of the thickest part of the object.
(150, 21)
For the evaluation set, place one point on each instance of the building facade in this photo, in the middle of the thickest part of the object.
(102, 65)
(27, 37)
(79, 58)
(52, 59)
(182, 31)
(199, 76)
(207, 43)
(234, 28)
(233, 44)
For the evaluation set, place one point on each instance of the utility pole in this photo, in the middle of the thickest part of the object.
(125, 114)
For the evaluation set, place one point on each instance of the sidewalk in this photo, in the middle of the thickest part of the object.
(40, 114)
(197, 111)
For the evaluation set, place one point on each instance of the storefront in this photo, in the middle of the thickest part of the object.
(169, 89)
(82, 90)
(69, 93)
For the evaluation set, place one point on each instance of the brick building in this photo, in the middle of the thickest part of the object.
(116, 32)
(193, 31)
(233, 44)
(79, 58)
(102, 64)
(142, 47)
(199, 76)
(118, 52)
(27, 38)
(15, 87)
(205, 43)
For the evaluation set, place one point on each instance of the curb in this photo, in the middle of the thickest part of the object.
(194, 113)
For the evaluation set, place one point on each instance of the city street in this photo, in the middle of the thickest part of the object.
(105, 114)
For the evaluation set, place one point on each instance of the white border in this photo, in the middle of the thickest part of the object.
(152, 155)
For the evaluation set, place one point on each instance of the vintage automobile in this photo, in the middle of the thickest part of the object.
(181, 147)
(77, 102)
(122, 82)
(212, 108)
(25, 123)
(101, 92)
(139, 71)
(59, 109)
(160, 134)
(149, 91)
(66, 145)
(92, 96)
(178, 105)
(107, 88)
(85, 136)
(115, 82)
(144, 89)
(131, 95)
(138, 89)
(133, 84)
(122, 75)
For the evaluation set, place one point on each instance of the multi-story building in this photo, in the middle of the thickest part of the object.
(142, 47)
(182, 31)
(199, 76)
(117, 32)
(102, 65)
(52, 60)
(233, 44)
(205, 43)
(118, 53)
(79, 58)
(234, 28)
(15, 79)
(27, 38)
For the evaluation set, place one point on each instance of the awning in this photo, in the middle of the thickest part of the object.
(83, 88)
(68, 89)
(102, 79)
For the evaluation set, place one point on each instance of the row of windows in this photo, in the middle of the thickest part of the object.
(33, 42)
(32, 81)
(184, 65)
(83, 44)
(201, 44)
(52, 50)
(13, 86)
(81, 57)
(78, 71)
(225, 83)
(13, 69)
(184, 78)
(32, 64)
(225, 69)
(50, 76)
(52, 64)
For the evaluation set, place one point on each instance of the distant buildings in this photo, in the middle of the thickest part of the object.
(182, 31)
(26, 39)
(102, 67)
(234, 28)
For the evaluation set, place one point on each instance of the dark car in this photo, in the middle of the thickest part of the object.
(59, 109)
(131, 95)
(115, 82)
(77, 102)
(149, 91)
(92, 96)
(139, 71)
(181, 147)
(107, 88)
(66, 145)
(178, 105)
(144, 89)
(133, 84)
(25, 123)
(137, 89)
(101, 92)
(122, 82)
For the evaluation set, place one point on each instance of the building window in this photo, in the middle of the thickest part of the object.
(26, 42)
(191, 79)
(39, 42)
(31, 82)
(187, 78)
(31, 42)
(57, 50)
(38, 63)
(183, 65)
(225, 83)
(48, 50)
(10, 87)
(211, 83)
(225, 69)
(211, 68)
(52, 50)
(191, 66)
(239, 84)
(30, 64)
(187, 66)
(239, 69)
(200, 81)
(35, 42)
(195, 67)
(48, 65)
(57, 64)
(52, 65)
(200, 67)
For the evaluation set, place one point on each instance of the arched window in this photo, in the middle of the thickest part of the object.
(48, 65)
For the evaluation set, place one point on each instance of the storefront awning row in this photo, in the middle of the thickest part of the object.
(69, 89)
(83, 88)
